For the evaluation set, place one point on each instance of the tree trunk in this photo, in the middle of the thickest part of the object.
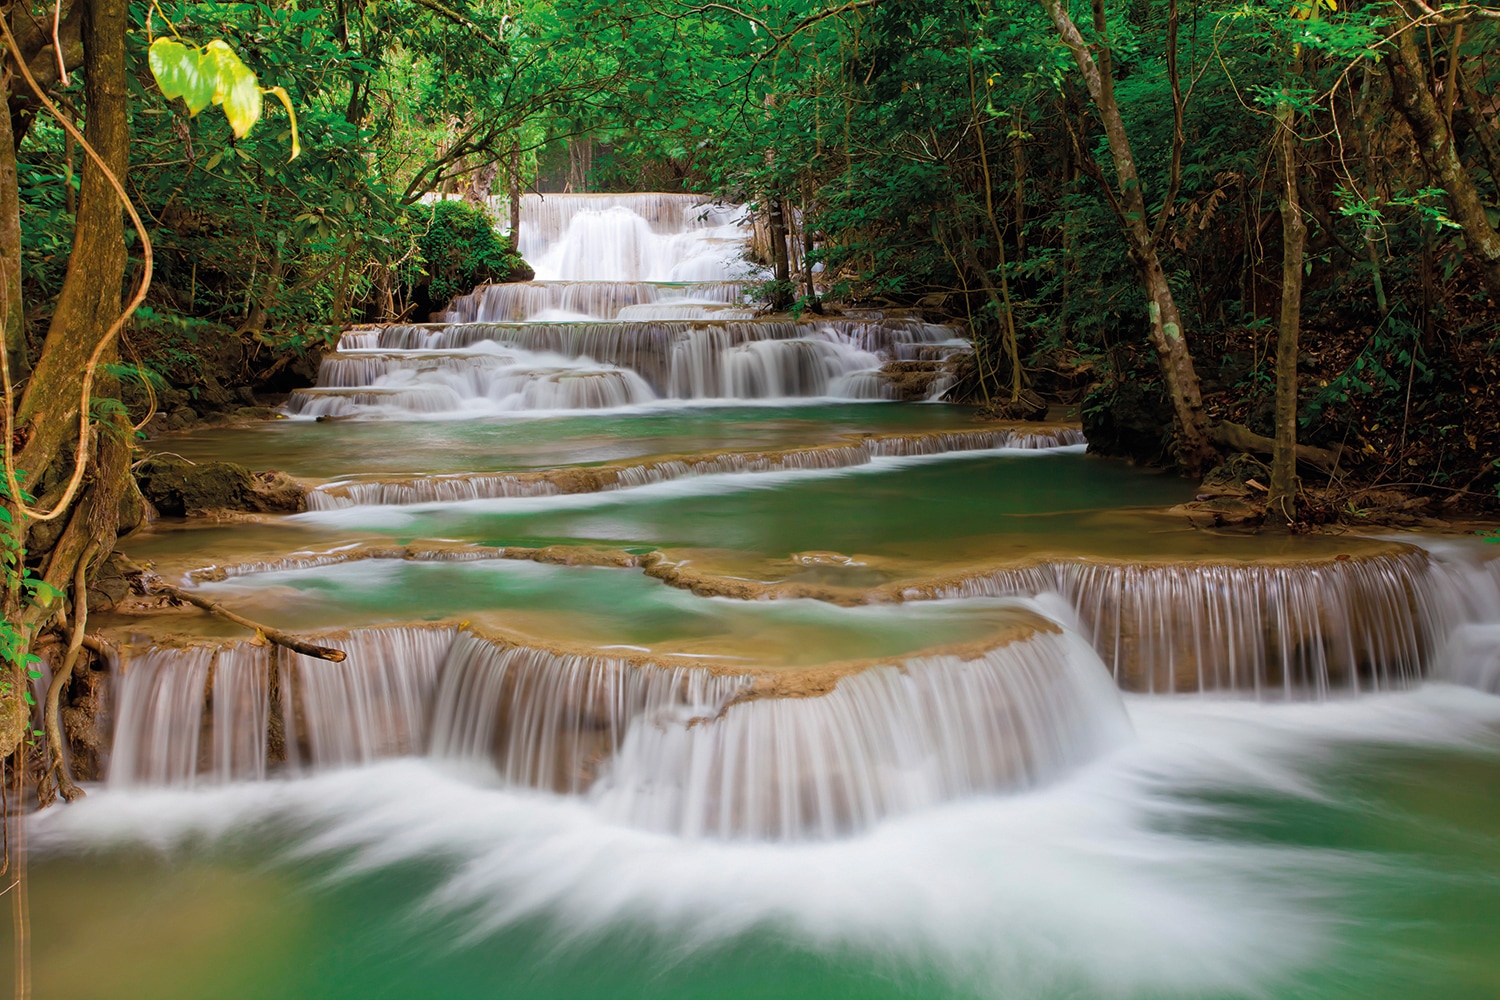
(814, 303)
(515, 196)
(480, 183)
(11, 314)
(781, 297)
(1194, 447)
(91, 292)
(1281, 506)
(1414, 99)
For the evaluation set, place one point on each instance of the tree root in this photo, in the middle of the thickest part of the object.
(58, 772)
(1242, 438)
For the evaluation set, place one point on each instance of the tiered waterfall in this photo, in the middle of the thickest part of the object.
(639, 298)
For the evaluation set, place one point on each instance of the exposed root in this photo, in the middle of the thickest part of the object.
(58, 771)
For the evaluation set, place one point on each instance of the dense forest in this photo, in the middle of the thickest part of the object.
(1206, 229)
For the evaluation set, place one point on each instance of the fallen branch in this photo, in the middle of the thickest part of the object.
(277, 636)
(1242, 438)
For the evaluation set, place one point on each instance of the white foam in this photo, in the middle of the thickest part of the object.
(1083, 886)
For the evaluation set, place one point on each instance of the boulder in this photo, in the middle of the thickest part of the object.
(177, 487)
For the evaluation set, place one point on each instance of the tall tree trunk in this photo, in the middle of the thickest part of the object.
(781, 298)
(814, 303)
(91, 294)
(1415, 101)
(515, 196)
(11, 313)
(1193, 446)
(86, 309)
(1281, 507)
(481, 182)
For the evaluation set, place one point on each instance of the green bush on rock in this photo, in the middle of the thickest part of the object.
(461, 249)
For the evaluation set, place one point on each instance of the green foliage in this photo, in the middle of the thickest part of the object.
(214, 74)
(21, 588)
(460, 249)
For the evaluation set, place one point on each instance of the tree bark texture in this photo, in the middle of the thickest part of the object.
(11, 312)
(34, 36)
(1281, 506)
(780, 257)
(515, 196)
(1194, 447)
(91, 293)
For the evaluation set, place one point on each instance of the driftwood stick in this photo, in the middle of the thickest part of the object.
(1242, 438)
(277, 636)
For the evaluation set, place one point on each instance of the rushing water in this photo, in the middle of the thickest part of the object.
(668, 677)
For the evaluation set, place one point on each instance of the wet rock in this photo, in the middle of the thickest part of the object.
(133, 512)
(177, 487)
(911, 380)
(181, 418)
(1233, 478)
(1221, 512)
(109, 586)
(156, 426)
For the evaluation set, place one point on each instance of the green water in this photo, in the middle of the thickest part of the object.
(351, 448)
(624, 609)
(1232, 851)
(953, 507)
(1371, 871)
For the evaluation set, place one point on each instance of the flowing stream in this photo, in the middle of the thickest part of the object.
(684, 662)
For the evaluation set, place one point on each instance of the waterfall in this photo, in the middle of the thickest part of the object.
(1310, 627)
(186, 713)
(636, 300)
(688, 749)
(639, 298)
(886, 741)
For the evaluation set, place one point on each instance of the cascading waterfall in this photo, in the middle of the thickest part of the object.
(886, 741)
(688, 750)
(640, 298)
(1305, 628)
(636, 300)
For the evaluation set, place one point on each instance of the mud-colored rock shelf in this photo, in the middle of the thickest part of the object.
(1346, 614)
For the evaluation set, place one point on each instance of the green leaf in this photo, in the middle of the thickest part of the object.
(236, 87)
(182, 71)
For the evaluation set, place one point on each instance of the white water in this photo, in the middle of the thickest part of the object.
(638, 298)
(1095, 885)
(668, 748)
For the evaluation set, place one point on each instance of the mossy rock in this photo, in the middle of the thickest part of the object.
(178, 488)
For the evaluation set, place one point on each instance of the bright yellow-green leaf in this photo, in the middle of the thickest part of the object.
(182, 71)
(236, 87)
(281, 94)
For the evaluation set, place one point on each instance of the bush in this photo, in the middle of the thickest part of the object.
(460, 249)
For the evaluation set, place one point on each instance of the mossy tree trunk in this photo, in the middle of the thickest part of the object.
(48, 413)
